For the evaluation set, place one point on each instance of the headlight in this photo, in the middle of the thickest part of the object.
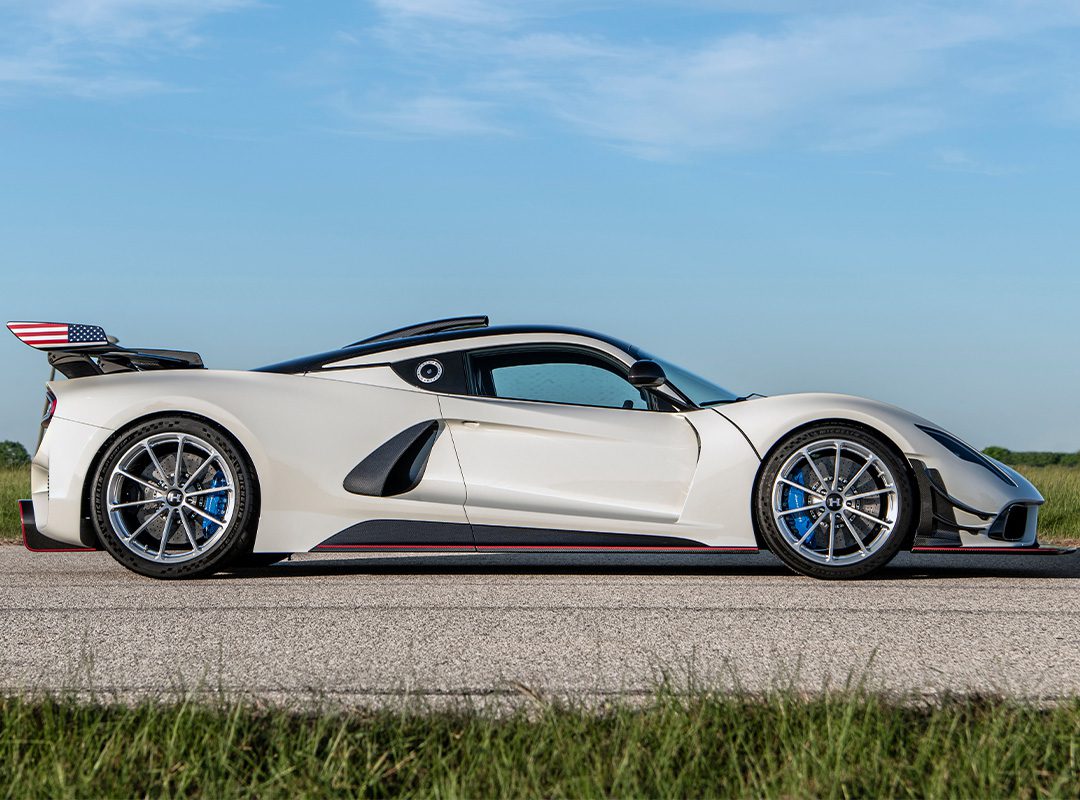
(965, 452)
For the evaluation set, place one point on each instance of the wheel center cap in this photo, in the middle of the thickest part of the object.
(174, 498)
(834, 501)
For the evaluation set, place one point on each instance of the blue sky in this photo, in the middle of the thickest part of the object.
(874, 198)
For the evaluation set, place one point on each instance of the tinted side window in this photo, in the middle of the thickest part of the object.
(555, 377)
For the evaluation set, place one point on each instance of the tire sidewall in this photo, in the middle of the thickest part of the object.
(238, 536)
(763, 498)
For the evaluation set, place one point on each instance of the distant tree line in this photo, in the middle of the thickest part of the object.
(13, 454)
(1035, 458)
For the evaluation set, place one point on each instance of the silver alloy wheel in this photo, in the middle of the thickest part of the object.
(835, 502)
(171, 497)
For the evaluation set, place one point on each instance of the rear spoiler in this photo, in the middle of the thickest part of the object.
(79, 351)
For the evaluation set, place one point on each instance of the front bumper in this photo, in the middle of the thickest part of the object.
(949, 523)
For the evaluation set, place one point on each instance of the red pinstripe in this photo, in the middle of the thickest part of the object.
(464, 548)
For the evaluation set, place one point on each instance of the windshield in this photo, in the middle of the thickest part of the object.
(700, 391)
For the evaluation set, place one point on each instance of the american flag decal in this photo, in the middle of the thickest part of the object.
(48, 335)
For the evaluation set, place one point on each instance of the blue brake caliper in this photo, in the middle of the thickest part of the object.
(795, 499)
(215, 503)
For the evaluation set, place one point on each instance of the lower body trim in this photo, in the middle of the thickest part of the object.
(386, 534)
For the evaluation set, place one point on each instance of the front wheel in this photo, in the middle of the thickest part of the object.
(834, 501)
(173, 498)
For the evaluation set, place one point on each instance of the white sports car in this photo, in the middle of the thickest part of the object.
(459, 436)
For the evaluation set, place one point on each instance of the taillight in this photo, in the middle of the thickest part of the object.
(50, 408)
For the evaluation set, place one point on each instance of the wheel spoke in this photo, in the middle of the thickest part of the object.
(157, 464)
(144, 526)
(140, 481)
(860, 473)
(817, 472)
(871, 517)
(187, 530)
(203, 514)
(801, 488)
(166, 532)
(832, 536)
(179, 459)
(800, 509)
(114, 506)
(810, 530)
(875, 493)
(198, 472)
(211, 490)
(854, 533)
(836, 469)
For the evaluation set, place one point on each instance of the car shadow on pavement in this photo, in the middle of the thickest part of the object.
(905, 566)
(909, 566)
(484, 564)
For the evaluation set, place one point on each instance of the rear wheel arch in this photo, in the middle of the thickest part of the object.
(87, 532)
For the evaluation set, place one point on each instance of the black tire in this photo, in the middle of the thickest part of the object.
(799, 559)
(228, 546)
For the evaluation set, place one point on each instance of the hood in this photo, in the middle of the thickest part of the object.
(765, 420)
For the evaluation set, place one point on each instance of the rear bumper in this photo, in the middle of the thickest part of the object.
(37, 542)
(58, 474)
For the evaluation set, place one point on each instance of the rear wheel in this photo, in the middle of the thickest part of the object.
(173, 498)
(834, 501)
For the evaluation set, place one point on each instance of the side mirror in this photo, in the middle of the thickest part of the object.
(647, 375)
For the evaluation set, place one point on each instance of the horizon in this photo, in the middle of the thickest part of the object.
(852, 198)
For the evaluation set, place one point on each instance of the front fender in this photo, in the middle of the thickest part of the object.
(767, 421)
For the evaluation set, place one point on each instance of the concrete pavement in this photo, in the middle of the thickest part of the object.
(372, 629)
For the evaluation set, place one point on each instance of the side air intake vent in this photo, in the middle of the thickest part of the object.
(1011, 525)
(397, 465)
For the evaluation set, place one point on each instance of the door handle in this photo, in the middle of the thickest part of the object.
(468, 423)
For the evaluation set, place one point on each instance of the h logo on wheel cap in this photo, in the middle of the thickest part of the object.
(834, 502)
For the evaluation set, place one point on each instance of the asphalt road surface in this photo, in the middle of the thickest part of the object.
(374, 629)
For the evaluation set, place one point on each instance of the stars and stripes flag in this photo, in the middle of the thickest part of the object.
(45, 335)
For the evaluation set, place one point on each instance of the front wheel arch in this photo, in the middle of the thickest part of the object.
(885, 438)
(88, 534)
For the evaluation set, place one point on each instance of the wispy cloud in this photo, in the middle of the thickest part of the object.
(956, 159)
(418, 117)
(470, 12)
(840, 76)
(662, 79)
(90, 48)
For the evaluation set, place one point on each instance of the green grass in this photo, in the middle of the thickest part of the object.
(14, 486)
(704, 746)
(1059, 519)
